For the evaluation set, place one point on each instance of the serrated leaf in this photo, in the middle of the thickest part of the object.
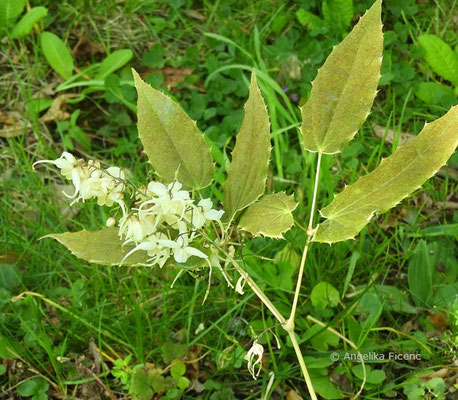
(113, 62)
(270, 216)
(101, 247)
(345, 87)
(338, 14)
(393, 180)
(440, 57)
(27, 22)
(171, 140)
(247, 172)
(57, 54)
(10, 10)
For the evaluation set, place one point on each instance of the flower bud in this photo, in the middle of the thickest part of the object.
(110, 222)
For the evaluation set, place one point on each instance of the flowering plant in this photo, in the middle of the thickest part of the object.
(167, 222)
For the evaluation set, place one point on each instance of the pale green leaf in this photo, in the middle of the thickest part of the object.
(394, 179)
(101, 247)
(57, 54)
(171, 140)
(345, 87)
(10, 10)
(440, 56)
(27, 22)
(113, 62)
(338, 14)
(270, 216)
(247, 172)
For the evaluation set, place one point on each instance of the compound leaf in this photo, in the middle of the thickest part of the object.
(394, 179)
(270, 216)
(440, 56)
(345, 87)
(174, 145)
(101, 247)
(247, 172)
(57, 54)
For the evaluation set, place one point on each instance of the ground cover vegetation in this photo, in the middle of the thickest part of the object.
(72, 329)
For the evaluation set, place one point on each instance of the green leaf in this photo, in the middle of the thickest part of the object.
(394, 179)
(113, 62)
(338, 14)
(440, 57)
(57, 54)
(101, 247)
(324, 295)
(142, 383)
(178, 369)
(171, 140)
(325, 388)
(10, 276)
(270, 216)
(345, 87)
(9, 10)
(2, 369)
(374, 376)
(419, 275)
(392, 299)
(311, 21)
(32, 387)
(247, 172)
(27, 22)
(436, 93)
(6, 348)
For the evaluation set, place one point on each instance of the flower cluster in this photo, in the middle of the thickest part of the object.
(164, 220)
(90, 180)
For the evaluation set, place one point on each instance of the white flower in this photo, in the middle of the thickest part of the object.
(204, 212)
(240, 284)
(169, 203)
(181, 249)
(89, 180)
(158, 253)
(135, 229)
(256, 351)
(66, 163)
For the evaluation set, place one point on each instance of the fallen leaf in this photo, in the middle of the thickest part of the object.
(439, 320)
(394, 217)
(86, 48)
(441, 373)
(172, 76)
(379, 130)
(12, 124)
(57, 110)
(292, 395)
(195, 14)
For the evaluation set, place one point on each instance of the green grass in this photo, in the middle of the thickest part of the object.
(134, 311)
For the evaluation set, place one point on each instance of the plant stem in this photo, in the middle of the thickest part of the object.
(300, 358)
(289, 325)
(306, 247)
(256, 289)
